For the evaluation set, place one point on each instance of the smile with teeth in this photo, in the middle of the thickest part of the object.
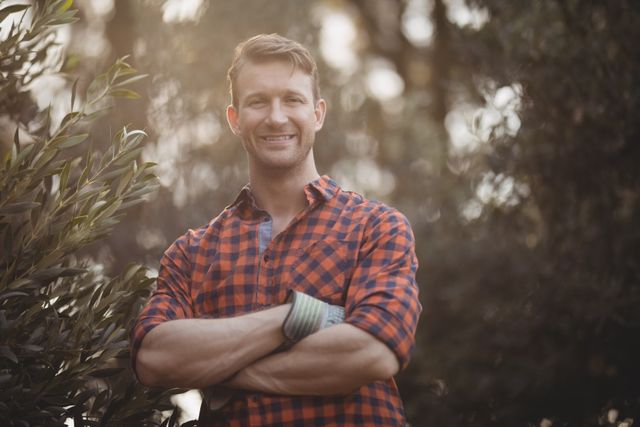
(278, 138)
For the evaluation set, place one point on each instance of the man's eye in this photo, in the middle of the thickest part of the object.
(294, 100)
(256, 103)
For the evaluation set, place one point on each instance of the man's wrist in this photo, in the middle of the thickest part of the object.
(308, 315)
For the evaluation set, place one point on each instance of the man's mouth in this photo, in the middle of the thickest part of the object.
(278, 138)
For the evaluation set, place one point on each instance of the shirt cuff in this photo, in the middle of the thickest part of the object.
(386, 328)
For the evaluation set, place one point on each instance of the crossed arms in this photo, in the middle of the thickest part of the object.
(197, 353)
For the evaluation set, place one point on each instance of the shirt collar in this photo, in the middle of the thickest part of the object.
(321, 189)
(245, 202)
(324, 186)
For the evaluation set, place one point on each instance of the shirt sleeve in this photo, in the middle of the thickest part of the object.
(383, 295)
(172, 297)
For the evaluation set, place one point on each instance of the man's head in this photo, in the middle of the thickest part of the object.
(276, 110)
(272, 47)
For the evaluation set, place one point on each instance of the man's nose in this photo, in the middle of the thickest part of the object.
(277, 115)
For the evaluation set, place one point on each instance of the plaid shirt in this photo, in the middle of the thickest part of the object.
(341, 248)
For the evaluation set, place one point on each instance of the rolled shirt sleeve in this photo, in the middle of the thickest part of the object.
(383, 295)
(172, 297)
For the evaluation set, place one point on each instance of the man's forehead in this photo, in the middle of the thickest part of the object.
(274, 74)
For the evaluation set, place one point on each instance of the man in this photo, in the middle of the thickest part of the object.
(299, 297)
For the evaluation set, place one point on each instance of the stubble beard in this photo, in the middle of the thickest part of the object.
(268, 166)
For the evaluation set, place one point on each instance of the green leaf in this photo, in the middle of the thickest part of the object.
(44, 158)
(88, 191)
(24, 152)
(51, 258)
(124, 93)
(127, 157)
(114, 173)
(12, 9)
(73, 116)
(77, 220)
(106, 372)
(31, 348)
(83, 396)
(67, 17)
(130, 80)
(97, 89)
(124, 182)
(55, 272)
(100, 400)
(105, 334)
(13, 154)
(19, 207)
(6, 352)
(16, 139)
(13, 294)
(20, 284)
(96, 114)
(49, 169)
(64, 176)
(110, 222)
(142, 191)
(96, 208)
(74, 87)
(133, 138)
(66, 5)
(67, 141)
(36, 335)
(110, 208)
(130, 203)
(85, 172)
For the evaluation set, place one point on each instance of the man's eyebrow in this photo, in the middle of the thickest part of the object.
(259, 94)
(252, 96)
(296, 93)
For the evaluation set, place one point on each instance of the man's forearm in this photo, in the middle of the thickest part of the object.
(197, 353)
(336, 360)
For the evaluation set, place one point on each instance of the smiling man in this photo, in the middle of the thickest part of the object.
(297, 304)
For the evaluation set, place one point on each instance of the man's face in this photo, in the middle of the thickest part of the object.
(276, 117)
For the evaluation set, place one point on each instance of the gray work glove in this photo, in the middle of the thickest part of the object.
(308, 315)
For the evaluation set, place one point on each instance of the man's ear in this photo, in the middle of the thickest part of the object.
(232, 119)
(320, 112)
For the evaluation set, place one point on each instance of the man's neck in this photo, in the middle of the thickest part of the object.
(282, 194)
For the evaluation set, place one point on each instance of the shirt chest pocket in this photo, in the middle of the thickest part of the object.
(323, 270)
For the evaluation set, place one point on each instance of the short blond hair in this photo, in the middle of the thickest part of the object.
(270, 47)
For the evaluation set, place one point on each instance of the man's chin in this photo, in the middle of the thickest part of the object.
(281, 163)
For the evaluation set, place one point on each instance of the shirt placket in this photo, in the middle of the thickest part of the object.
(267, 289)
(265, 261)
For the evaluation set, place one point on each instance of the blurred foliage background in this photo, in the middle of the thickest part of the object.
(505, 131)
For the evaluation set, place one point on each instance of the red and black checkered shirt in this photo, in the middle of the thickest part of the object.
(341, 248)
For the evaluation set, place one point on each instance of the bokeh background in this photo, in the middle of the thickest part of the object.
(507, 132)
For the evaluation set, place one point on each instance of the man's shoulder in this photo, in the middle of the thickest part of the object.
(355, 204)
(205, 234)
